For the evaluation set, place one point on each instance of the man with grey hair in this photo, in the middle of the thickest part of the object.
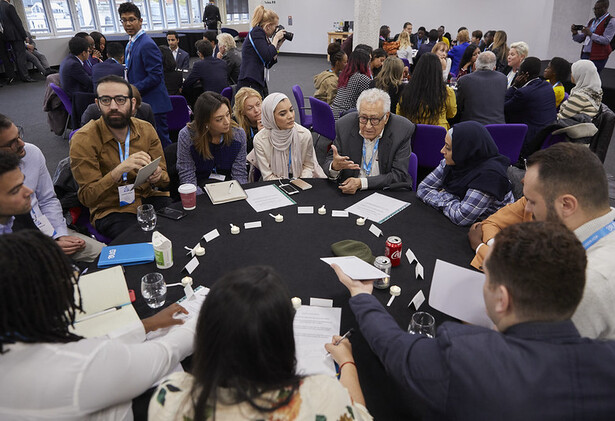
(480, 94)
(371, 148)
(231, 55)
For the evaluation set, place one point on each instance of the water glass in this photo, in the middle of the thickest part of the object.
(146, 216)
(154, 289)
(422, 323)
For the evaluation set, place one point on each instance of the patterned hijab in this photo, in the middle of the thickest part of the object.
(587, 82)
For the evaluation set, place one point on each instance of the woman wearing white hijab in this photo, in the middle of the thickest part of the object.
(586, 96)
(283, 148)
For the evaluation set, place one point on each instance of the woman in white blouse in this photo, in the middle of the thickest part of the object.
(517, 53)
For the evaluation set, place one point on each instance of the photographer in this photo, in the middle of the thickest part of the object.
(259, 54)
(596, 36)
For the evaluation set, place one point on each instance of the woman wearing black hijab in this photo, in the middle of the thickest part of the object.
(470, 183)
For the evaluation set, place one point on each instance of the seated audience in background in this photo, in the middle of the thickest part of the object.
(46, 211)
(463, 40)
(212, 37)
(530, 100)
(37, 58)
(419, 38)
(485, 43)
(534, 281)
(567, 183)
(378, 57)
(480, 95)
(105, 156)
(210, 71)
(112, 66)
(428, 45)
(476, 37)
(385, 140)
(405, 47)
(244, 364)
(100, 45)
(385, 33)
(231, 56)
(556, 73)
(353, 80)
(366, 48)
(211, 148)
(407, 28)
(73, 76)
(444, 37)
(173, 78)
(283, 148)
(468, 60)
(586, 96)
(427, 99)
(441, 50)
(390, 80)
(470, 183)
(325, 82)
(15, 196)
(247, 114)
(517, 53)
(141, 110)
(47, 369)
(181, 57)
(94, 55)
(500, 49)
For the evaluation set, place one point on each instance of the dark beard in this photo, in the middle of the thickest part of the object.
(118, 120)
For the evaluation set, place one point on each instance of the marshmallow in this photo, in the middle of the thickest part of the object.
(322, 210)
(199, 250)
(279, 218)
(234, 229)
(186, 280)
(394, 291)
(360, 221)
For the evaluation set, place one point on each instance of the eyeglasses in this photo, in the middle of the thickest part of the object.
(119, 99)
(129, 20)
(373, 120)
(14, 144)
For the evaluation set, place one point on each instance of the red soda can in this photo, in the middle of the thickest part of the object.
(393, 250)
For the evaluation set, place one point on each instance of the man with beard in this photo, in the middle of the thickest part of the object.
(567, 183)
(106, 155)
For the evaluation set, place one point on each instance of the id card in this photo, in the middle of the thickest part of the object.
(127, 194)
(42, 223)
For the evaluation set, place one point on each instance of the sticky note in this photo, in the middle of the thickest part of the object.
(418, 299)
(211, 235)
(375, 230)
(192, 264)
(411, 257)
(419, 271)
(339, 214)
(255, 224)
(305, 210)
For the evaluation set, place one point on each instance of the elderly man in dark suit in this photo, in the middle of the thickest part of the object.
(15, 35)
(371, 148)
(112, 66)
(480, 94)
(73, 76)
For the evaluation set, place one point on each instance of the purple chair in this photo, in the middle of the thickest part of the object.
(508, 138)
(227, 92)
(323, 122)
(180, 114)
(427, 142)
(406, 62)
(304, 119)
(552, 139)
(68, 105)
(84, 221)
(413, 169)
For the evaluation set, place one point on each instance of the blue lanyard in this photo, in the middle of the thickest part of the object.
(129, 48)
(368, 167)
(597, 22)
(255, 49)
(602, 232)
(289, 166)
(126, 152)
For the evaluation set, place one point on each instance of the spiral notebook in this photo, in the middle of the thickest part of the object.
(224, 192)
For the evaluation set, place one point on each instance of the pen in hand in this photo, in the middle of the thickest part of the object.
(345, 336)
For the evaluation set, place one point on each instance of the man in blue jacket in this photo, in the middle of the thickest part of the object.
(112, 66)
(73, 76)
(182, 58)
(143, 62)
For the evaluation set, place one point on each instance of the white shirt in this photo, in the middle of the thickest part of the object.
(175, 53)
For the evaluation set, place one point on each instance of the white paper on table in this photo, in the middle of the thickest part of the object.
(375, 230)
(418, 271)
(267, 197)
(356, 268)
(192, 264)
(411, 257)
(314, 327)
(339, 214)
(211, 235)
(192, 304)
(377, 207)
(321, 302)
(418, 299)
(305, 210)
(458, 292)
(255, 224)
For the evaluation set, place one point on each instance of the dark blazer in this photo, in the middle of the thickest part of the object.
(183, 59)
(73, 76)
(13, 27)
(233, 63)
(533, 104)
(480, 97)
(212, 72)
(393, 151)
(424, 48)
(211, 15)
(145, 72)
(106, 68)
(252, 66)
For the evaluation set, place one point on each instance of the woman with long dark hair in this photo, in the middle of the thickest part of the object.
(468, 60)
(244, 364)
(353, 80)
(100, 42)
(427, 99)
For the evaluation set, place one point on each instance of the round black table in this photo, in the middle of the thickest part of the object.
(294, 248)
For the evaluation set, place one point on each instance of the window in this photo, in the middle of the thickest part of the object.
(61, 15)
(183, 12)
(107, 16)
(197, 13)
(36, 16)
(156, 7)
(169, 6)
(237, 11)
(85, 15)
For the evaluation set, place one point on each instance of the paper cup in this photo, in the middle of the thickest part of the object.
(187, 192)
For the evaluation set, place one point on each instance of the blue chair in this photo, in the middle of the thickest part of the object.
(427, 142)
(413, 169)
(508, 138)
(304, 119)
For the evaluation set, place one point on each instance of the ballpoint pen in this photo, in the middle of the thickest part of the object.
(345, 336)
(230, 187)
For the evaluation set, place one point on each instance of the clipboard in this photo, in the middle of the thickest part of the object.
(145, 172)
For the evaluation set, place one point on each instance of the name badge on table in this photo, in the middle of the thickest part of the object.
(127, 194)
(218, 177)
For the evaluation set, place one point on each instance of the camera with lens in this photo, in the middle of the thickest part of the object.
(578, 27)
(288, 36)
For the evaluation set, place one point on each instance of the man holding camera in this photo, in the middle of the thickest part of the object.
(596, 36)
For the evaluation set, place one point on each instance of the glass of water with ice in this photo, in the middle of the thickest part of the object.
(146, 216)
(154, 289)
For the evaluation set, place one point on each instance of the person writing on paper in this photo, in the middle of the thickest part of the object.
(48, 372)
(371, 148)
(244, 364)
(567, 182)
(534, 279)
(471, 182)
(283, 149)
(212, 147)
(105, 156)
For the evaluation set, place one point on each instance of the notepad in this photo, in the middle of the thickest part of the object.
(224, 192)
(126, 254)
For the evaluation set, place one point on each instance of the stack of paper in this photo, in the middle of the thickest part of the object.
(314, 327)
(377, 207)
(268, 197)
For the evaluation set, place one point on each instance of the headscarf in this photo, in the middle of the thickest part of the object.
(478, 163)
(281, 140)
(587, 82)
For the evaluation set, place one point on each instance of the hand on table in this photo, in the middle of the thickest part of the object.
(475, 235)
(341, 352)
(355, 287)
(164, 318)
(342, 162)
(70, 245)
(350, 185)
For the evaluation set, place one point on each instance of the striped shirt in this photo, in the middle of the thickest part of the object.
(576, 104)
(346, 97)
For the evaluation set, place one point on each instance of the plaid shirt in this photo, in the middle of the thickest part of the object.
(474, 206)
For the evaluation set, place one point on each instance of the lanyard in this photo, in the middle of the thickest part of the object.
(368, 167)
(265, 69)
(602, 232)
(129, 47)
(289, 163)
(597, 22)
(126, 152)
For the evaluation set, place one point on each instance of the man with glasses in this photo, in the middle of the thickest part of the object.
(371, 148)
(46, 210)
(73, 76)
(143, 61)
(106, 155)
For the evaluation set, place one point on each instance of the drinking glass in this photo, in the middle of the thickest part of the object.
(146, 216)
(422, 323)
(154, 289)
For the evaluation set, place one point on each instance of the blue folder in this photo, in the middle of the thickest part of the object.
(126, 254)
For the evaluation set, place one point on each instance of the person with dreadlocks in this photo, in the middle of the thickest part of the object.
(49, 372)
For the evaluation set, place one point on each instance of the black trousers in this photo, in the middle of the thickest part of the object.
(116, 223)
